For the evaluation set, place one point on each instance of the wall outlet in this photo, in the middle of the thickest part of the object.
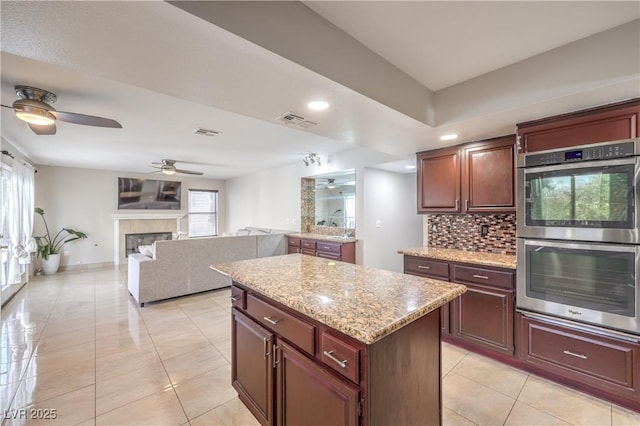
(286, 221)
(484, 230)
(378, 223)
(66, 253)
(434, 228)
(293, 221)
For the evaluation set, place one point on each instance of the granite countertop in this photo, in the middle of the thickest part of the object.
(322, 237)
(364, 303)
(476, 257)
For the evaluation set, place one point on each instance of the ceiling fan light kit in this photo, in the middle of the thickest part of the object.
(167, 167)
(34, 107)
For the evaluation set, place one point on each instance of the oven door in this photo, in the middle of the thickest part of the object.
(588, 201)
(588, 282)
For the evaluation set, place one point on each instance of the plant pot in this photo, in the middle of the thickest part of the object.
(51, 264)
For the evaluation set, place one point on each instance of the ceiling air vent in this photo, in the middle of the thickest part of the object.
(291, 118)
(206, 132)
(307, 124)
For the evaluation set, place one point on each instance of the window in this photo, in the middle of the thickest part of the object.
(203, 213)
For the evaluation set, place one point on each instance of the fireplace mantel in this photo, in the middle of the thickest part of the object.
(117, 217)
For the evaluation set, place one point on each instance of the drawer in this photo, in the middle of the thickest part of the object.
(426, 267)
(328, 255)
(293, 329)
(340, 356)
(482, 276)
(308, 244)
(328, 247)
(238, 298)
(294, 242)
(582, 356)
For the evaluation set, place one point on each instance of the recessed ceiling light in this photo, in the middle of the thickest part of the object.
(318, 105)
(449, 137)
(409, 167)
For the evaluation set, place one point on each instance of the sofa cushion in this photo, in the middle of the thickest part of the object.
(147, 250)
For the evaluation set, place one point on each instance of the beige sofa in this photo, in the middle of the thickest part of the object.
(181, 267)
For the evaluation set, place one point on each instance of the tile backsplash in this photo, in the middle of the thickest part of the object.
(463, 232)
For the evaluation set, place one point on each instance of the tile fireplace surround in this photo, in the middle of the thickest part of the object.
(137, 223)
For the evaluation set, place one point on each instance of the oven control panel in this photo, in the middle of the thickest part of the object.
(585, 153)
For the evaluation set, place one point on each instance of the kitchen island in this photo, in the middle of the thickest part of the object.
(316, 341)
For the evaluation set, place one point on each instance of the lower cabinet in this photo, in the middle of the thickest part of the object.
(344, 252)
(252, 369)
(303, 386)
(608, 365)
(485, 314)
(289, 369)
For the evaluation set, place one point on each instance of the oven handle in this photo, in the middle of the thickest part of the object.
(569, 244)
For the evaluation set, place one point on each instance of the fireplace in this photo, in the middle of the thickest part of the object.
(133, 241)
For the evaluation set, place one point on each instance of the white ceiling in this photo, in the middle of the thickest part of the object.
(162, 72)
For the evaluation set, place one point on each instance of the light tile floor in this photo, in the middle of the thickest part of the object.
(76, 343)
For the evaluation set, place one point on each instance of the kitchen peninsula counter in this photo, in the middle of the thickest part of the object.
(323, 237)
(316, 340)
(497, 260)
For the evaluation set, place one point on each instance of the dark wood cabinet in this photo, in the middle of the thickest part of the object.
(252, 369)
(600, 124)
(334, 250)
(439, 181)
(489, 176)
(291, 369)
(472, 178)
(484, 315)
(303, 387)
(604, 365)
(438, 270)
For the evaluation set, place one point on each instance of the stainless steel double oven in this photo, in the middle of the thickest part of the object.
(579, 236)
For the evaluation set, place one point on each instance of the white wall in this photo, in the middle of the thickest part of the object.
(389, 198)
(85, 199)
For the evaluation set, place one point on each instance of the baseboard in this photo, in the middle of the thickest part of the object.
(85, 266)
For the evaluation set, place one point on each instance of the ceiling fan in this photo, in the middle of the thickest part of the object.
(168, 167)
(34, 107)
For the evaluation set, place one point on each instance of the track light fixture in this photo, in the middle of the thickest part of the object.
(311, 159)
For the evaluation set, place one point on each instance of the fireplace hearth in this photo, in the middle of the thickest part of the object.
(133, 241)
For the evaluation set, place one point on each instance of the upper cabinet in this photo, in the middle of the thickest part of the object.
(473, 178)
(601, 124)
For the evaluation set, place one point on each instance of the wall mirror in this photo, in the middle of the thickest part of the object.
(329, 203)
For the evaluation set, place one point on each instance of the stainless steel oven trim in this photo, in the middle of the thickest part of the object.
(581, 327)
(619, 322)
(581, 165)
(636, 149)
(616, 235)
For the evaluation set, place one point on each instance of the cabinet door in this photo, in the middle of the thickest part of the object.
(488, 179)
(601, 124)
(484, 316)
(309, 395)
(439, 181)
(251, 366)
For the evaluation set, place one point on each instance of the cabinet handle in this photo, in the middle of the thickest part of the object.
(483, 277)
(266, 347)
(457, 204)
(275, 355)
(326, 248)
(329, 355)
(466, 204)
(234, 299)
(271, 321)
(424, 267)
(581, 356)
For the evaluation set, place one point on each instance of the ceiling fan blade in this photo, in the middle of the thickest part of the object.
(188, 172)
(86, 120)
(40, 129)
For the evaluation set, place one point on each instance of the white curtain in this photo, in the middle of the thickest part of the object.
(20, 215)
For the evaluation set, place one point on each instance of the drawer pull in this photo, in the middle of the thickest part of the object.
(234, 299)
(424, 267)
(326, 248)
(581, 356)
(329, 355)
(271, 321)
(483, 277)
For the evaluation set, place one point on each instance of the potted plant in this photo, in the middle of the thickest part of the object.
(49, 248)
